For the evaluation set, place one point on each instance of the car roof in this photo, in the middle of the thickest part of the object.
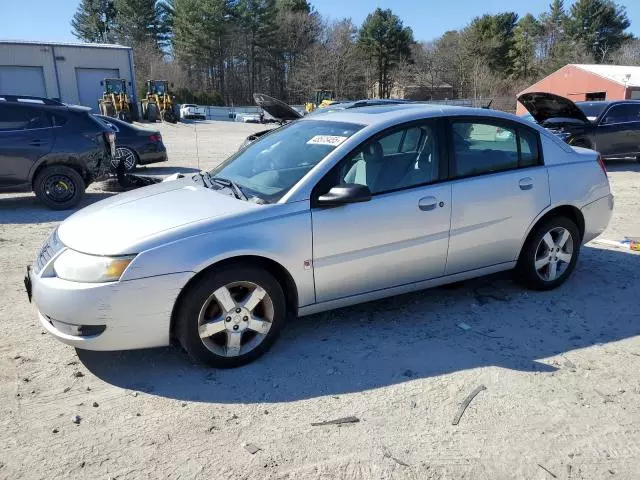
(399, 112)
(605, 103)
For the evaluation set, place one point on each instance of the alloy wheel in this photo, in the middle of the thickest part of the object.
(235, 319)
(554, 254)
(126, 156)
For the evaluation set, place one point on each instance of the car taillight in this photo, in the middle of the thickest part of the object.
(601, 163)
(155, 138)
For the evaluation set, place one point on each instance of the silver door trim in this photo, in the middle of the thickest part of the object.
(399, 290)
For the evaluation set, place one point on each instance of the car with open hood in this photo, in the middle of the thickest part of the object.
(610, 127)
(331, 210)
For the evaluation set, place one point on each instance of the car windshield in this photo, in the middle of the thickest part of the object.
(270, 166)
(591, 110)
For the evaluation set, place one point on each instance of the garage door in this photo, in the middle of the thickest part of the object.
(22, 81)
(89, 88)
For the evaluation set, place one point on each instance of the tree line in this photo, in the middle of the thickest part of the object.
(223, 51)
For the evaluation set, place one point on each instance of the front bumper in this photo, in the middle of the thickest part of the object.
(108, 316)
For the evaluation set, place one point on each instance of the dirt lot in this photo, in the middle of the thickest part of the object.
(561, 371)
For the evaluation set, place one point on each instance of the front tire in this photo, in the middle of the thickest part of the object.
(59, 187)
(549, 254)
(231, 316)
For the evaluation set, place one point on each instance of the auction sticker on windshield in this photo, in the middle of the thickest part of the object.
(331, 140)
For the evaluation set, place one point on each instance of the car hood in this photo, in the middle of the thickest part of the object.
(276, 108)
(543, 106)
(114, 226)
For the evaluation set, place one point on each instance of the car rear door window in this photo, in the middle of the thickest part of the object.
(483, 148)
(14, 117)
(413, 161)
(529, 154)
(480, 148)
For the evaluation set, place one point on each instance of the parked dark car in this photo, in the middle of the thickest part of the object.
(610, 127)
(284, 113)
(53, 149)
(135, 145)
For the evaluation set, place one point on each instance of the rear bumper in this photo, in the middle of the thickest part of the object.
(152, 153)
(113, 316)
(596, 217)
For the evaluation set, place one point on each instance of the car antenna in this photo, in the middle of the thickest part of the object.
(488, 106)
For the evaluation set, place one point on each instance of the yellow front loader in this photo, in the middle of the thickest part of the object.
(115, 101)
(159, 102)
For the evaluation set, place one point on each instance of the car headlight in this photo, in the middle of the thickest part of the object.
(80, 267)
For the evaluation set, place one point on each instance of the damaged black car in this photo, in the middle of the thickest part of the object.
(52, 149)
(612, 128)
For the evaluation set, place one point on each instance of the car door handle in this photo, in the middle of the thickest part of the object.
(427, 203)
(526, 183)
(37, 143)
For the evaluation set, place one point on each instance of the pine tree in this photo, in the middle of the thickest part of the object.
(599, 25)
(94, 21)
(385, 40)
(256, 21)
(523, 53)
(138, 22)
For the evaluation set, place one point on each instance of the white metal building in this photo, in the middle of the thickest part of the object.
(71, 72)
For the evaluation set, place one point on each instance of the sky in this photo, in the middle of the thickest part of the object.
(48, 20)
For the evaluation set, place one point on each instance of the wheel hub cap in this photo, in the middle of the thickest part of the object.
(554, 254)
(235, 319)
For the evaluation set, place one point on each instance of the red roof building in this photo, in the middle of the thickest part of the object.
(589, 82)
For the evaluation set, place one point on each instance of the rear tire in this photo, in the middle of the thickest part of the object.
(127, 156)
(152, 112)
(255, 329)
(59, 187)
(549, 254)
(110, 110)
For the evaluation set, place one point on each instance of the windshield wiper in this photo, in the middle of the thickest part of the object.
(235, 188)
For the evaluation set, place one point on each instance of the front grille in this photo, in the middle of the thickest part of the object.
(48, 250)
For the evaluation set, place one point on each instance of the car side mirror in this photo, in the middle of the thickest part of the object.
(344, 194)
(102, 83)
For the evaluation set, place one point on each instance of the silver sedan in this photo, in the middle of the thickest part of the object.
(328, 211)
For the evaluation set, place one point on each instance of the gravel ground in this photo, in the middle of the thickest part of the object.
(560, 368)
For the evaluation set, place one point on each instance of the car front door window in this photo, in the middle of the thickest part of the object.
(401, 159)
(401, 234)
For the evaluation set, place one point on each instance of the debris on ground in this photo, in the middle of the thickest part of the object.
(605, 398)
(55, 430)
(548, 471)
(95, 404)
(78, 374)
(251, 448)
(387, 454)
(76, 419)
(466, 403)
(337, 421)
(66, 389)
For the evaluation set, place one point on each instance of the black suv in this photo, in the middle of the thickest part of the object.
(610, 127)
(53, 149)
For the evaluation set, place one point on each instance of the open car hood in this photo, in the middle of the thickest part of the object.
(543, 106)
(276, 108)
